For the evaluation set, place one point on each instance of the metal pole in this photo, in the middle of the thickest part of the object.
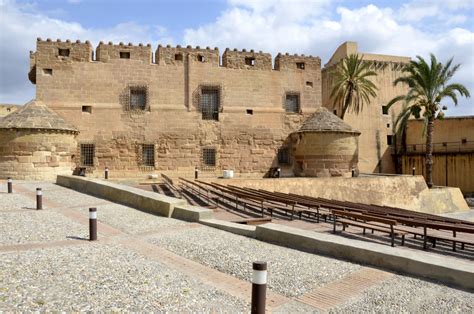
(413, 171)
(278, 172)
(39, 198)
(92, 224)
(259, 287)
(106, 173)
(10, 185)
(196, 173)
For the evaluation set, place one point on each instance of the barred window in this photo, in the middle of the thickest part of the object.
(292, 103)
(148, 155)
(283, 156)
(87, 155)
(210, 104)
(208, 158)
(137, 99)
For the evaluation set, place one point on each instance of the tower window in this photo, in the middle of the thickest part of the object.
(178, 57)
(300, 65)
(389, 139)
(87, 109)
(87, 155)
(147, 155)
(250, 61)
(137, 99)
(385, 110)
(292, 103)
(210, 104)
(63, 52)
(48, 72)
(124, 54)
(200, 58)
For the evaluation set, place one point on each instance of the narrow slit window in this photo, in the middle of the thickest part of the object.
(63, 52)
(87, 155)
(389, 140)
(292, 103)
(210, 104)
(148, 155)
(124, 55)
(250, 61)
(300, 65)
(138, 99)
(385, 110)
(283, 156)
(209, 158)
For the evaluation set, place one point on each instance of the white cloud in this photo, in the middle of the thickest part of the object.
(20, 25)
(377, 30)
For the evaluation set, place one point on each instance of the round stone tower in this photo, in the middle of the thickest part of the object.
(36, 144)
(325, 146)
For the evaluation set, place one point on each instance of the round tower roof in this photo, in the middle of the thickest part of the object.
(324, 121)
(36, 115)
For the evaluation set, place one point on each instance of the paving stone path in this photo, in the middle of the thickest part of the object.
(147, 263)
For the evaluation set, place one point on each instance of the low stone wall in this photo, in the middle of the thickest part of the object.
(408, 192)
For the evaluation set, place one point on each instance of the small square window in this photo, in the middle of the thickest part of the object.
(388, 125)
(124, 54)
(48, 72)
(178, 57)
(208, 158)
(249, 111)
(385, 110)
(389, 139)
(147, 155)
(292, 103)
(87, 155)
(87, 109)
(464, 141)
(335, 112)
(283, 156)
(63, 52)
(200, 58)
(137, 99)
(309, 84)
(445, 144)
(300, 65)
(250, 61)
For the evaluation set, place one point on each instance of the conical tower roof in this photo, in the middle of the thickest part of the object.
(36, 115)
(324, 121)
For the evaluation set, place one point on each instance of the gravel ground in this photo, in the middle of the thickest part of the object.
(290, 272)
(410, 295)
(95, 277)
(38, 226)
(131, 221)
(9, 202)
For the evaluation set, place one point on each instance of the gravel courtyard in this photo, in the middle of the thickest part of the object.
(144, 262)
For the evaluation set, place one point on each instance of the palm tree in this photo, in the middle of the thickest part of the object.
(427, 87)
(352, 88)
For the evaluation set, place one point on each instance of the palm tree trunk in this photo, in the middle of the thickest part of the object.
(429, 152)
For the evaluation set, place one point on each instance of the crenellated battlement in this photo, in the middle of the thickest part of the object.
(58, 51)
(112, 52)
(296, 62)
(235, 59)
(177, 55)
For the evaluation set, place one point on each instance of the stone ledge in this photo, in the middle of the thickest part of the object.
(422, 264)
(191, 213)
(143, 200)
(240, 229)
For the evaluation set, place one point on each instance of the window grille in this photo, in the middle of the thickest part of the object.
(137, 99)
(148, 155)
(292, 103)
(87, 155)
(283, 156)
(210, 104)
(208, 158)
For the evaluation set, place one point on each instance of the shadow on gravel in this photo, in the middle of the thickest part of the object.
(76, 238)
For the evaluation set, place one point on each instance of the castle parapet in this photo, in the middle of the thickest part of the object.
(244, 59)
(287, 62)
(110, 52)
(177, 55)
(50, 52)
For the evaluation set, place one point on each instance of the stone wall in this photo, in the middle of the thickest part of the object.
(252, 122)
(374, 125)
(36, 155)
(7, 109)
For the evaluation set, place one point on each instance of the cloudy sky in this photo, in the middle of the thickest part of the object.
(407, 28)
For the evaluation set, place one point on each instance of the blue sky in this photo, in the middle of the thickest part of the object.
(317, 27)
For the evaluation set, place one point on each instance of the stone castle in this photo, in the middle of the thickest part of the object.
(137, 112)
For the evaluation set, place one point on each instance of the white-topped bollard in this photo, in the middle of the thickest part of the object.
(413, 171)
(106, 174)
(92, 224)
(259, 287)
(196, 173)
(39, 198)
(10, 185)
(278, 172)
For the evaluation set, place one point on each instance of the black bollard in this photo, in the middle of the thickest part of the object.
(413, 171)
(10, 185)
(259, 287)
(39, 198)
(92, 224)
(196, 173)
(106, 174)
